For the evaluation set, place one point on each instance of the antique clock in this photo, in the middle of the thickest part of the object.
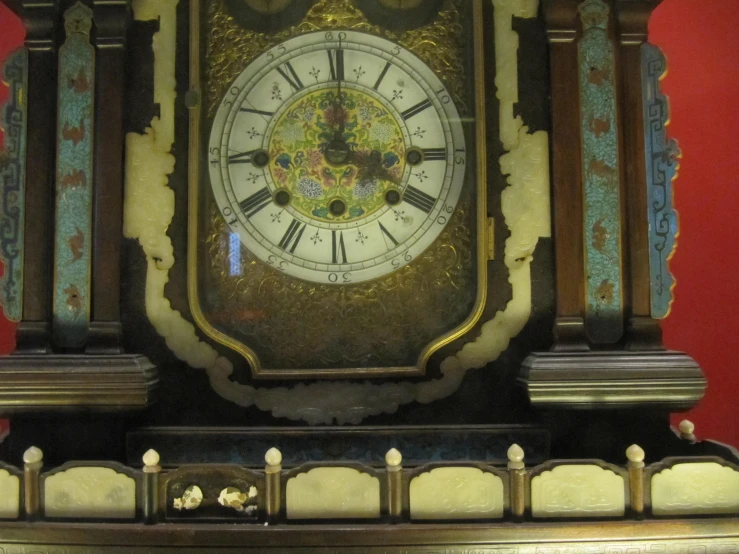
(395, 249)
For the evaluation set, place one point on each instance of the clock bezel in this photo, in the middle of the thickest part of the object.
(425, 233)
(195, 173)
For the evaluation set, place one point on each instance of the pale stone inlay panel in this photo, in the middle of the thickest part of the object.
(456, 493)
(578, 491)
(333, 492)
(695, 488)
(10, 489)
(90, 492)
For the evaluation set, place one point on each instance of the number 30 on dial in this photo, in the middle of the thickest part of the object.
(337, 157)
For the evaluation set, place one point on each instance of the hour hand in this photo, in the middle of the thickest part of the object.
(370, 167)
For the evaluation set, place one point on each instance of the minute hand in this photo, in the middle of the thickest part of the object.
(339, 63)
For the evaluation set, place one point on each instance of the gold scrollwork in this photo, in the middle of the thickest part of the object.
(298, 324)
(231, 48)
(386, 323)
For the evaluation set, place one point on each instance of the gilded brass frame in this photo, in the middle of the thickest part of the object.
(211, 332)
(680, 536)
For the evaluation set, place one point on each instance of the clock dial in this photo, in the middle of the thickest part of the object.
(337, 157)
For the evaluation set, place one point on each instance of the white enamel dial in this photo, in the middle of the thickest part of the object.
(337, 157)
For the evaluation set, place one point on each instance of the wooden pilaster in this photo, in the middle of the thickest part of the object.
(40, 19)
(111, 22)
(562, 24)
(643, 332)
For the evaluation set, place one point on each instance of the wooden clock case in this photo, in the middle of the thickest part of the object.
(555, 390)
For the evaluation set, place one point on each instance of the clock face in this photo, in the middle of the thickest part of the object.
(337, 157)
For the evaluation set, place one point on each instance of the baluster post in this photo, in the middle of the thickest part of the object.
(517, 480)
(273, 475)
(151, 486)
(635, 455)
(33, 460)
(394, 468)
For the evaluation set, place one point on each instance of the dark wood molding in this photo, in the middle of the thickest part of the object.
(562, 29)
(59, 383)
(613, 380)
(39, 19)
(112, 18)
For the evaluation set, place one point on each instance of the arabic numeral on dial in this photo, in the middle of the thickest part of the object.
(228, 215)
(442, 219)
(228, 102)
(397, 262)
(459, 159)
(215, 152)
(443, 96)
(279, 264)
(329, 36)
(279, 51)
(345, 277)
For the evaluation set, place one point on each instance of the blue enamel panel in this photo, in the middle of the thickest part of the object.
(74, 181)
(13, 183)
(600, 155)
(662, 164)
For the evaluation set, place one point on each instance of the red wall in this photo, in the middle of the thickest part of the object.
(700, 40)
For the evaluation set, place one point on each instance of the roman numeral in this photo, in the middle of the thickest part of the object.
(241, 158)
(434, 154)
(338, 249)
(258, 112)
(417, 109)
(419, 199)
(251, 205)
(336, 64)
(387, 234)
(292, 236)
(382, 76)
(292, 79)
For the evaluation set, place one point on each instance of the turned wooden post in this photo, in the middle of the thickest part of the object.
(33, 460)
(151, 486)
(394, 469)
(273, 477)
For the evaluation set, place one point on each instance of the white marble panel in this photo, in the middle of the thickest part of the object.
(695, 488)
(456, 493)
(10, 499)
(578, 490)
(90, 492)
(333, 492)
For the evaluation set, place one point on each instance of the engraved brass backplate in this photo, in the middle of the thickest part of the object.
(288, 328)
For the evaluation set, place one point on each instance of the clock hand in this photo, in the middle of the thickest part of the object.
(340, 99)
(369, 165)
(337, 151)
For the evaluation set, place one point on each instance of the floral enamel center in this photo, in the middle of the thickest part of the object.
(374, 164)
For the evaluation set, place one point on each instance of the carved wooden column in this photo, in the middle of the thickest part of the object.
(612, 277)
(69, 354)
